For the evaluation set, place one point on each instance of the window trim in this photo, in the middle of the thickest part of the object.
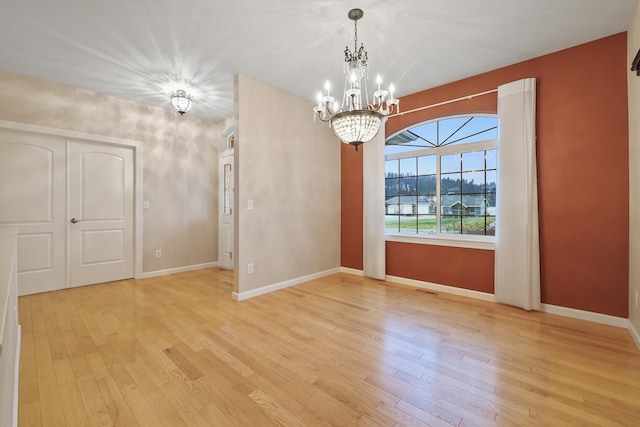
(465, 241)
(442, 239)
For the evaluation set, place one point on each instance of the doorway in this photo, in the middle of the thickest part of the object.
(226, 222)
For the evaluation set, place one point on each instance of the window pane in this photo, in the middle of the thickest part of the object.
(450, 184)
(450, 129)
(426, 205)
(390, 187)
(473, 204)
(428, 132)
(473, 182)
(427, 224)
(391, 168)
(392, 206)
(391, 223)
(491, 226)
(427, 165)
(492, 160)
(478, 129)
(450, 163)
(451, 204)
(473, 225)
(450, 224)
(408, 225)
(408, 167)
(408, 205)
(408, 186)
(491, 203)
(427, 185)
(491, 180)
(473, 161)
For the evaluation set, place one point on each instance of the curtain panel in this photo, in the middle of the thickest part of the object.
(374, 265)
(517, 253)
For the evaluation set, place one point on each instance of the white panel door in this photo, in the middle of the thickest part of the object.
(100, 212)
(225, 233)
(32, 199)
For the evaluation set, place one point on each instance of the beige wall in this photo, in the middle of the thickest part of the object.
(180, 157)
(289, 166)
(633, 44)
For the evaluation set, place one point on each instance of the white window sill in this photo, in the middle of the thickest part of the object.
(472, 242)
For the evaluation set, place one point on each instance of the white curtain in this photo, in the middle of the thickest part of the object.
(517, 254)
(373, 221)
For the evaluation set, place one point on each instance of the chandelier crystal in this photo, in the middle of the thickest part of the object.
(356, 121)
(181, 101)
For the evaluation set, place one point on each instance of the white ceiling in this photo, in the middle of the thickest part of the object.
(141, 49)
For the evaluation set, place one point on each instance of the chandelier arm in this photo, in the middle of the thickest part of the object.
(328, 109)
(323, 118)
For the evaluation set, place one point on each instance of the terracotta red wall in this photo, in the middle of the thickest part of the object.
(583, 188)
(351, 208)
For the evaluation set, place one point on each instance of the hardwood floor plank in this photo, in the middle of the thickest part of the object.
(154, 397)
(93, 402)
(274, 410)
(51, 406)
(183, 363)
(341, 350)
(140, 407)
(182, 403)
(72, 404)
(29, 414)
(116, 407)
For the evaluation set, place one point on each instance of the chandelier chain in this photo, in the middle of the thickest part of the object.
(355, 36)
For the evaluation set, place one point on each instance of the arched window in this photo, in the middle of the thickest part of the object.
(440, 178)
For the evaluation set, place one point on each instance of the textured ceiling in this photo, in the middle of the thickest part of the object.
(142, 49)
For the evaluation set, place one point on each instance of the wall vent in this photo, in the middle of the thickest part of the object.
(428, 291)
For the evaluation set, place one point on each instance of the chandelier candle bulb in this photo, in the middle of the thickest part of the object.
(356, 121)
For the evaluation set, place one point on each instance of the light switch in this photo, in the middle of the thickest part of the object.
(145, 204)
(250, 204)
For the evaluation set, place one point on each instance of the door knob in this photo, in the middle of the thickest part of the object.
(73, 221)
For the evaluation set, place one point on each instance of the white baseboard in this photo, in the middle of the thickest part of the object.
(547, 308)
(634, 333)
(16, 379)
(351, 271)
(277, 286)
(178, 270)
(441, 288)
(605, 319)
(427, 285)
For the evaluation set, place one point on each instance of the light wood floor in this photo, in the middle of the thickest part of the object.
(343, 350)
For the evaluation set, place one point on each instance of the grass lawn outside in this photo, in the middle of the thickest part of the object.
(454, 225)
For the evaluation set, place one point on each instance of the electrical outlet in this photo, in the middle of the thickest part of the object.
(250, 268)
(158, 253)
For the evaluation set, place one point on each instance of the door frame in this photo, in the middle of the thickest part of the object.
(226, 149)
(136, 146)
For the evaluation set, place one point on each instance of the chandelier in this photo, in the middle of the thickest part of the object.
(181, 101)
(356, 121)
